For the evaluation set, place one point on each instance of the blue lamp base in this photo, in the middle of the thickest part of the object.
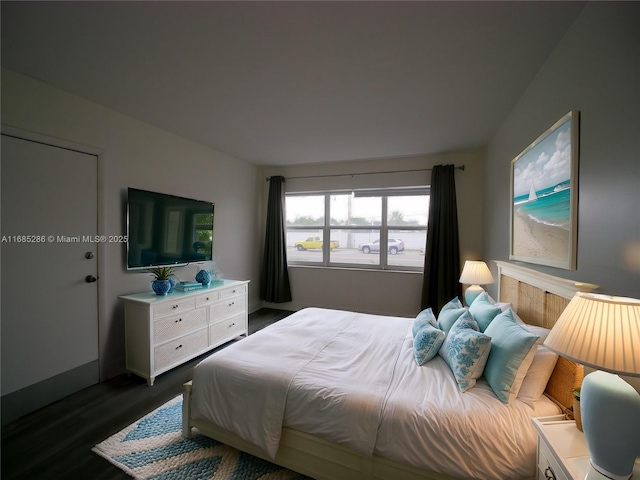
(610, 410)
(471, 293)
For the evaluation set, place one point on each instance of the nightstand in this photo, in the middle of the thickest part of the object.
(563, 452)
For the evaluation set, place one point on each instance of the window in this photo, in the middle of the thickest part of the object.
(203, 231)
(379, 229)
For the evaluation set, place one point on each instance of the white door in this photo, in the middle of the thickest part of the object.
(49, 289)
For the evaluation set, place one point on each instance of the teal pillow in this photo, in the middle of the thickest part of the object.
(449, 314)
(466, 350)
(512, 351)
(427, 343)
(483, 310)
(425, 317)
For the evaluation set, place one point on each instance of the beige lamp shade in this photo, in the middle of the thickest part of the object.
(476, 273)
(599, 331)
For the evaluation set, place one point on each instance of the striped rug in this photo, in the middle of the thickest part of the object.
(153, 448)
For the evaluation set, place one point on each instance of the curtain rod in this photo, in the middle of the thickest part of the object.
(457, 167)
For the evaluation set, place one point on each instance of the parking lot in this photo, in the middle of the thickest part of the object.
(407, 258)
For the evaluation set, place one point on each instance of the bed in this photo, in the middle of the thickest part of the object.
(319, 393)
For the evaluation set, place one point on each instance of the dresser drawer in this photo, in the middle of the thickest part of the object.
(227, 307)
(179, 324)
(175, 306)
(232, 291)
(173, 352)
(206, 298)
(232, 326)
(548, 467)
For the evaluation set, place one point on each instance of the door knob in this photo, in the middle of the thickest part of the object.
(90, 279)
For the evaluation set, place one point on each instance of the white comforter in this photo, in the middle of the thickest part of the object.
(352, 379)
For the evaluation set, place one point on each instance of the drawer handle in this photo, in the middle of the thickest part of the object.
(549, 474)
(233, 291)
(232, 303)
(207, 299)
(232, 324)
(174, 306)
(178, 320)
(179, 346)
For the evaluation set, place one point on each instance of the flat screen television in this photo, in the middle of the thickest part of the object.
(166, 230)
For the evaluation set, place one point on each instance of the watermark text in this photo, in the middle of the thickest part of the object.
(64, 238)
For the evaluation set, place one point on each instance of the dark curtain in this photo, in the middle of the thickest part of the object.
(442, 257)
(274, 285)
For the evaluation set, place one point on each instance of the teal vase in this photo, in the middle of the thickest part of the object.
(161, 287)
(203, 277)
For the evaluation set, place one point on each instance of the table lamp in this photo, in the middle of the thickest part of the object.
(603, 332)
(474, 273)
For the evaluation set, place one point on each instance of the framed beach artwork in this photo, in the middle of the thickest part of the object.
(544, 197)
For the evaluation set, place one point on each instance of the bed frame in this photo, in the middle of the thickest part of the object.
(539, 300)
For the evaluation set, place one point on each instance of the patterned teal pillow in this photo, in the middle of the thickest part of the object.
(427, 343)
(512, 351)
(425, 317)
(483, 310)
(449, 314)
(466, 350)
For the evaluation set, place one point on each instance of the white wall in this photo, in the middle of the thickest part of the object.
(140, 155)
(594, 69)
(390, 293)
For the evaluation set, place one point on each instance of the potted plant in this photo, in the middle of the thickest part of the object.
(164, 281)
(576, 408)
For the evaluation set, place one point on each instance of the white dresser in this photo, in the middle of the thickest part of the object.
(163, 332)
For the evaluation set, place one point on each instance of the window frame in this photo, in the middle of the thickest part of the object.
(383, 229)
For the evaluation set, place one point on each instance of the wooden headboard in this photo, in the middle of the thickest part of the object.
(539, 299)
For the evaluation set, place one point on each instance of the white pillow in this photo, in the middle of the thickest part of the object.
(537, 377)
(542, 332)
(504, 306)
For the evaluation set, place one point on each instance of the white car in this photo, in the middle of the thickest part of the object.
(394, 246)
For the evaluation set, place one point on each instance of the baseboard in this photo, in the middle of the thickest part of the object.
(31, 398)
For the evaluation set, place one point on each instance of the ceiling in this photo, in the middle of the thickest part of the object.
(284, 83)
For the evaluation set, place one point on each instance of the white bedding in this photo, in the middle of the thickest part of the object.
(430, 424)
(352, 379)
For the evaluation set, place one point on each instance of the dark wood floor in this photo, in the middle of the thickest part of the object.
(55, 442)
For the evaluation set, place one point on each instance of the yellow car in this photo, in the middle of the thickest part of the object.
(314, 243)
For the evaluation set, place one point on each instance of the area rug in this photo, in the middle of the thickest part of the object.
(153, 448)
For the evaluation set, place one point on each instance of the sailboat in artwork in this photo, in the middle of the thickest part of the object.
(532, 193)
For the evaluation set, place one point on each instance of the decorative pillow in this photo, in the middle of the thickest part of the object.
(425, 317)
(449, 314)
(512, 351)
(483, 310)
(465, 350)
(536, 379)
(427, 343)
